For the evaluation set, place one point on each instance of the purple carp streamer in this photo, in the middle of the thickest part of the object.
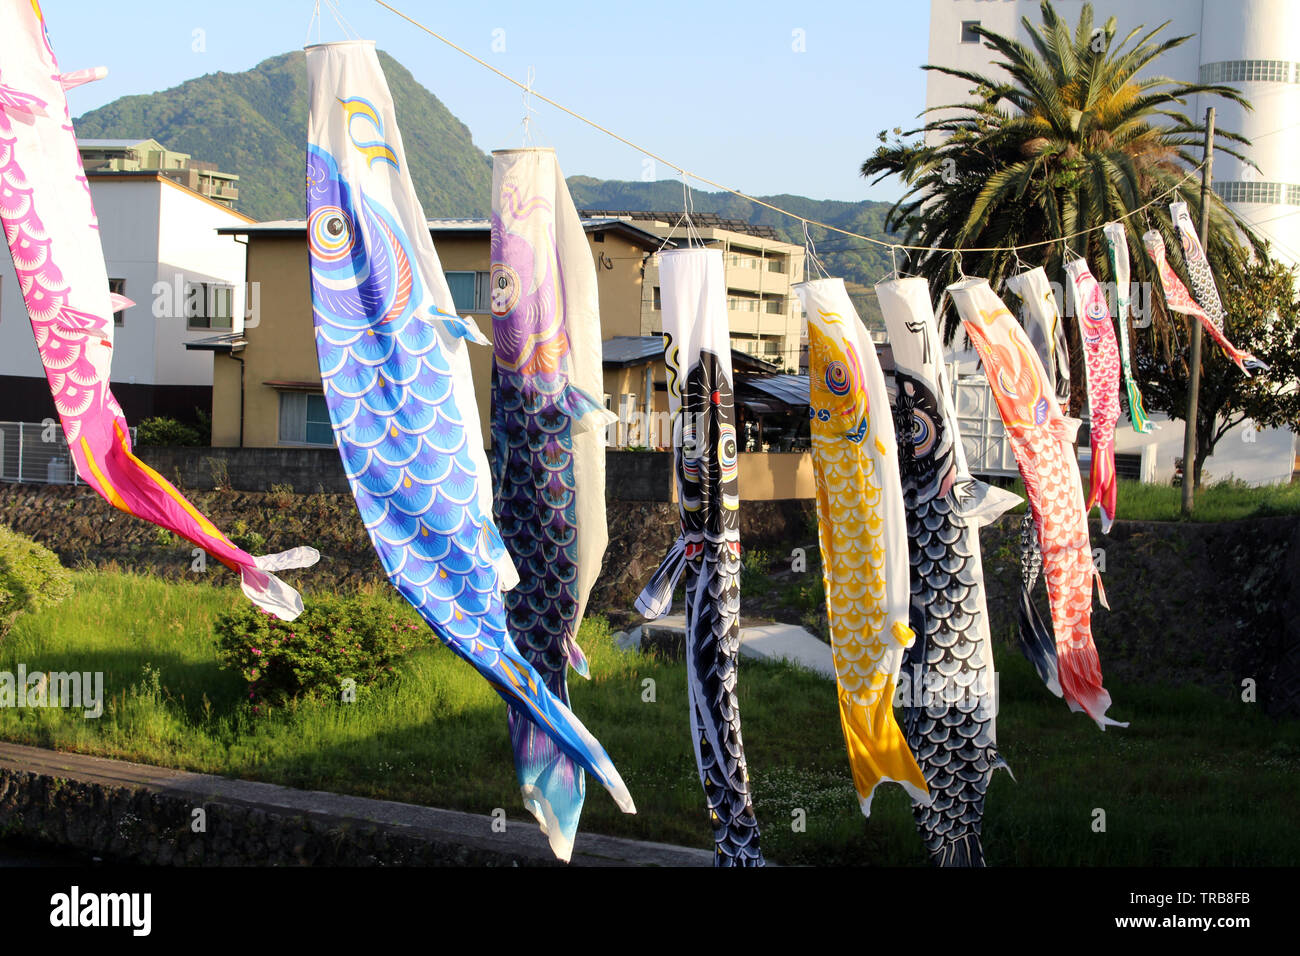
(949, 697)
(697, 349)
(395, 371)
(1117, 252)
(549, 465)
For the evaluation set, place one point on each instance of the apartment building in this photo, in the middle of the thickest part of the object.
(764, 315)
(150, 156)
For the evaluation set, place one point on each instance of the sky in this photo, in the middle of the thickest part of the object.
(764, 97)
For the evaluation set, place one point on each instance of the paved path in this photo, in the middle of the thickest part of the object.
(522, 840)
(771, 642)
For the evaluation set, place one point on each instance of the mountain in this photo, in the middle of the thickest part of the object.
(254, 124)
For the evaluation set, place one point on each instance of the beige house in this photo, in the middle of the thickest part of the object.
(266, 383)
(764, 315)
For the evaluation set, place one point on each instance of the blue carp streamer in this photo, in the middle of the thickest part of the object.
(399, 415)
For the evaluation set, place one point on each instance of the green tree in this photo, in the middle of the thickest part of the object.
(1065, 137)
(1263, 317)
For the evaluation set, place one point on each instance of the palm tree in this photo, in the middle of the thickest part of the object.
(1066, 138)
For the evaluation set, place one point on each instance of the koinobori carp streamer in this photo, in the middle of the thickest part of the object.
(49, 221)
(549, 468)
(395, 371)
(862, 532)
(949, 696)
(1101, 360)
(1041, 438)
(697, 350)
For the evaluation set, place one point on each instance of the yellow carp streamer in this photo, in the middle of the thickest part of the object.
(862, 530)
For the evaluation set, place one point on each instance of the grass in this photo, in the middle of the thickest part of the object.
(1222, 501)
(1196, 781)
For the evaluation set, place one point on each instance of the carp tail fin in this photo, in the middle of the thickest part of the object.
(878, 751)
(1037, 643)
(656, 599)
(965, 851)
(553, 785)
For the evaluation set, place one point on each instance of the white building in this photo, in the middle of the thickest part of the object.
(1253, 45)
(163, 252)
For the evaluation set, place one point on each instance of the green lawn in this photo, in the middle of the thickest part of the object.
(1222, 501)
(1197, 780)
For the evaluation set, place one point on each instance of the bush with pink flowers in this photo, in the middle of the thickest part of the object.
(333, 641)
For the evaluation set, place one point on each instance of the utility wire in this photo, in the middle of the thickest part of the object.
(759, 202)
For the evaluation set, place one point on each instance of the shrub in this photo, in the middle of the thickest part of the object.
(166, 431)
(334, 639)
(31, 578)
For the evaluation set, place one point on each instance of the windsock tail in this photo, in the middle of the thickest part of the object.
(878, 751)
(1102, 487)
(656, 599)
(999, 762)
(1137, 413)
(552, 784)
(965, 851)
(522, 688)
(1250, 364)
(1037, 643)
(1081, 681)
(270, 593)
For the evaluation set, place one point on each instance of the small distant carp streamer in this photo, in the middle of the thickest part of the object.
(1210, 309)
(395, 370)
(549, 441)
(697, 349)
(49, 222)
(949, 695)
(1042, 321)
(1041, 438)
(862, 530)
(1041, 318)
(1117, 252)
(1101, 359)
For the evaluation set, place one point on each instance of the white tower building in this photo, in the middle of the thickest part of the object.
(1253, 45)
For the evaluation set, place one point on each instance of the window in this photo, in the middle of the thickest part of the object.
(305, 419)
(968, 34)
(209, 305)
(118, 286)
(471, 291)
(658, 300)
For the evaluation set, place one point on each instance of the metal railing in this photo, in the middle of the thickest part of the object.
(37, 453)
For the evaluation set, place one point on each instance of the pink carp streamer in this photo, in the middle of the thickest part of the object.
(1210, 309)
(49, 224)
(1041, 438)
(1101, 359)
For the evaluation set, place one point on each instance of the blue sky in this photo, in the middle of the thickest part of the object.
(721, 88)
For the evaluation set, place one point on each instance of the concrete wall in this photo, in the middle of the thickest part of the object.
(629, 476)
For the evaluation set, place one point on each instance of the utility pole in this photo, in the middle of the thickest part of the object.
(1194, 360)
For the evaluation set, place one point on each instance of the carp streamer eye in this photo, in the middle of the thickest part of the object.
(727, 453)
(505, 289)
(329, 232)
(923, 433)
(837, 378)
